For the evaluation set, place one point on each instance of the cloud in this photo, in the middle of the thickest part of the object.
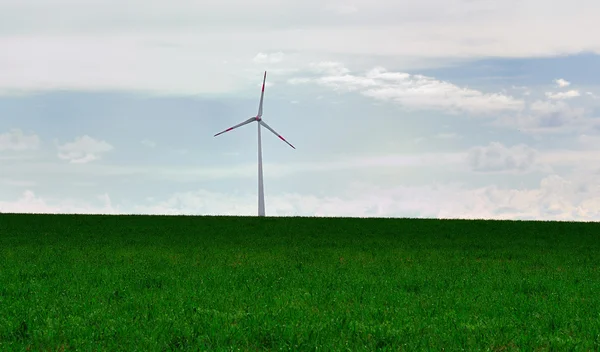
(428, 93)
(525, 90)
(103, 62)
(547, 116)
(554, 198)
(562, 83)
(341, 8)
(329, 68)
(554, 114)
(418, 92)
(298, 80)
(198, 202)
(402, 160)
(589, 141)
(173, 173)
(17, 183)
(582, 158)
(94, 45)
(29, 202)
(16, 140)
(271, 58)
(83, 150)
(448, 135)
(563, 95)
(148, 143)
(413, 91)
(497, 157)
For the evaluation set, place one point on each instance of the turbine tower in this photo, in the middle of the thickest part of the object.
(258, 118)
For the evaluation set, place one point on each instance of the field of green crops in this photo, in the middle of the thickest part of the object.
(149, 283)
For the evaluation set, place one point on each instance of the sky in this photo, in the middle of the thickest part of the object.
(431, 108)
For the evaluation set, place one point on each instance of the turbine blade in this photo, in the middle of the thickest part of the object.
(238, 125)
(262, 95)
(277, 134)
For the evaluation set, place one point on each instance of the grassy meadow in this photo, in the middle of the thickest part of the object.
(150, 283)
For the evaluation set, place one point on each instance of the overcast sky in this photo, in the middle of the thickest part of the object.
(428, 108)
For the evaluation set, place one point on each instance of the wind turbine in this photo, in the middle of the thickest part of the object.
(258, 118)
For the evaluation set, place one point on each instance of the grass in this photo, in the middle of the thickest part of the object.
(148, 283)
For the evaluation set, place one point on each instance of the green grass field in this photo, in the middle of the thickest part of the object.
(143, 283)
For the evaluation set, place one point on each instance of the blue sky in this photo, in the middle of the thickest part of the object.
(447, 109)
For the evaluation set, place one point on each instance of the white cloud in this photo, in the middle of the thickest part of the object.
(548, 114)
(377, 164)
(414, 91)
(329, 68)
(448, 136)
(298, 80)
(497, 157)
(16, 183)
(562, 83)
(83, 150)
(148, 143)
(589, 141)
(547, 117)
(271, 58)
(342, 8)
(555, 198)
(563, 95)
(29, 202)
(581, 157)
(347, 82)
(173, 175)
(16, 140)
(278, 170)
(382, 73)
(405, 160)
(94, 44)
(198, 202)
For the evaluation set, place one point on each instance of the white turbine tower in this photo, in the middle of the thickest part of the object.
(258, 118)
